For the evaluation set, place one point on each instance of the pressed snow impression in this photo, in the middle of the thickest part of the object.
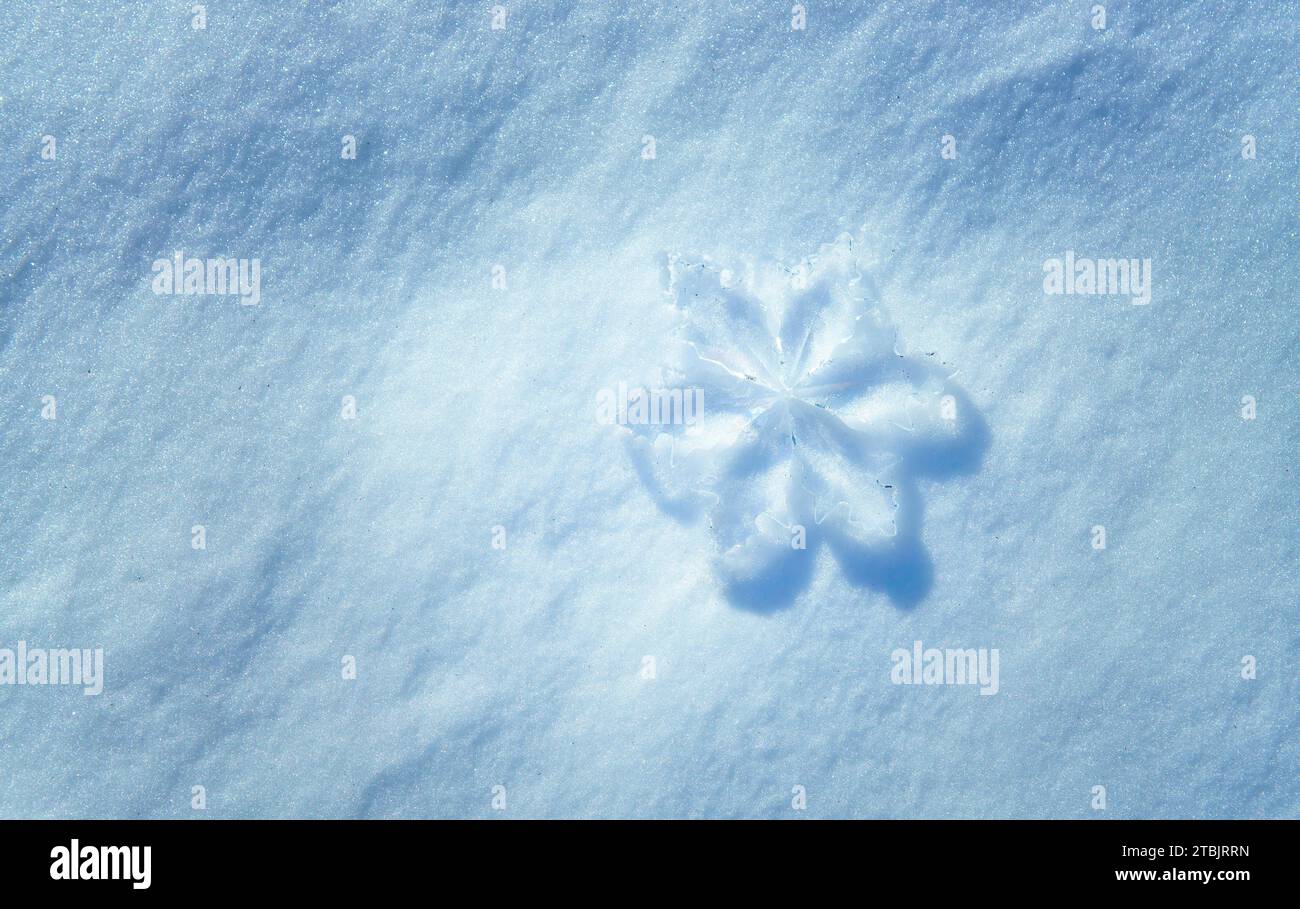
(813, 430)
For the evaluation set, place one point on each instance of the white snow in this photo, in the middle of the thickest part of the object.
(525, 666)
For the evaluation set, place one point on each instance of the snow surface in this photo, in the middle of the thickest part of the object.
(524, 667)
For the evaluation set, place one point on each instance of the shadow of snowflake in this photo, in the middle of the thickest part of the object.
(814, 428)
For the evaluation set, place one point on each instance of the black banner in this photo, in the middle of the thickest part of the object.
(334, 858)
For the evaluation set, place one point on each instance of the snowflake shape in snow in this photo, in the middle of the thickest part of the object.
(814, 427)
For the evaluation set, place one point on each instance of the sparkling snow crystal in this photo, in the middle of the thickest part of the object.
(814, 426)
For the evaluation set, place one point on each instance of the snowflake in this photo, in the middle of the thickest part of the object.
(814, 427)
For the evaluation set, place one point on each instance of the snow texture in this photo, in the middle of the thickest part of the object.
(395, 459)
